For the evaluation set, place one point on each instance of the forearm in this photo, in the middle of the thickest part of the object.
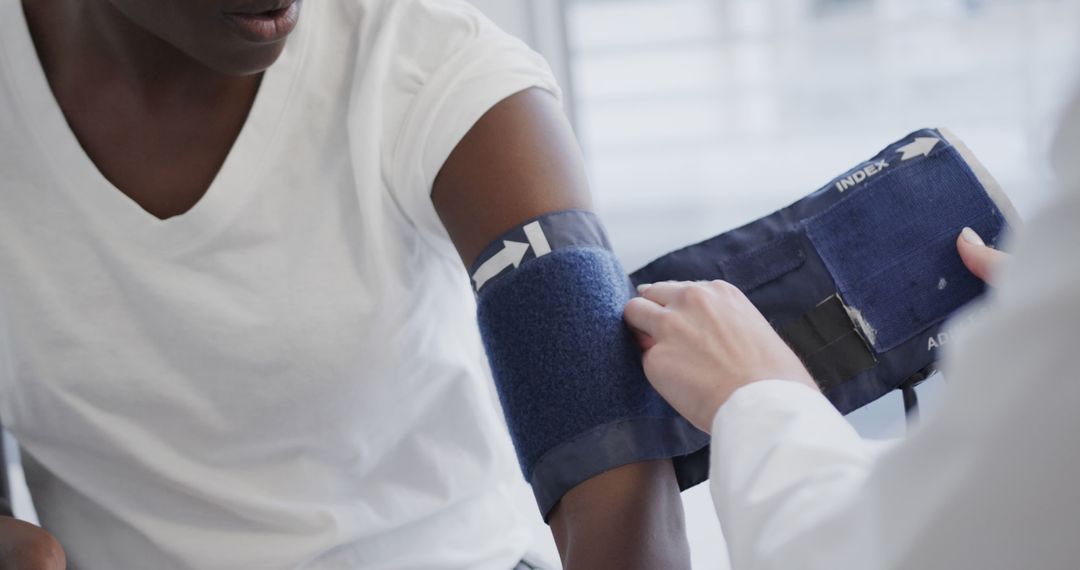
(627, 518)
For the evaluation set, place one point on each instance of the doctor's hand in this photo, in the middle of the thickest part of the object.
(24, 546)
(981, 259)
(705, 340)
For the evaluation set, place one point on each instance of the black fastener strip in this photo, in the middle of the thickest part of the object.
(829, 344)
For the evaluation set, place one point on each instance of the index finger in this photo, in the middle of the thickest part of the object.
(665, 292)
(642, 314)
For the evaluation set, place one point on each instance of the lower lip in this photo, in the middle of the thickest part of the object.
(269, 27)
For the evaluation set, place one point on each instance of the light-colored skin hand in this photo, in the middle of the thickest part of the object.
(704, 340)
(981, 260)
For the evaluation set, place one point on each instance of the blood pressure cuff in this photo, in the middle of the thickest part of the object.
(859, 276)
(550, 298)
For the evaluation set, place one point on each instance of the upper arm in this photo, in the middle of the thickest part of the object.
(520, 161)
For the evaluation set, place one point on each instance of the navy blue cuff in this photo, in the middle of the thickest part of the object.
(860, 275)
(550, 299)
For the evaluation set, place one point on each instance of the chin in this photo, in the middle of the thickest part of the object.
(248, 61)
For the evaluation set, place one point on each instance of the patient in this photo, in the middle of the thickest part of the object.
(236, 330)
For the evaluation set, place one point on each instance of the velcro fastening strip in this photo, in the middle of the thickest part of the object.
(536, 238)
(567, 369)
(890, 245)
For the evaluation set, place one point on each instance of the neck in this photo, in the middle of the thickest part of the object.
(92, 41)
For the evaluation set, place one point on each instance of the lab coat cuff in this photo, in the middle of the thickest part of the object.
(752, 397)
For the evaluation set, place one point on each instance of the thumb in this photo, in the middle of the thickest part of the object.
(980, 259)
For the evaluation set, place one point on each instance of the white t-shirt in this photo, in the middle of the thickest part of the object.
(990, 481)
(289, 375)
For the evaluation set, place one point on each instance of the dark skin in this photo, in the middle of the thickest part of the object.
(156, 91)
(24, 546)
(156, 121)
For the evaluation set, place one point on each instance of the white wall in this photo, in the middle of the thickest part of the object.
(512, 15)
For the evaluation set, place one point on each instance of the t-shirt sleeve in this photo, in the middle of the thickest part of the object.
(465, 67)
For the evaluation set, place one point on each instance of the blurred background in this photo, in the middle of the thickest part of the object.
(697, 116)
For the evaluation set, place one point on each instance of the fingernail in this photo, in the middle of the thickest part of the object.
(641, 288)
(971, 237)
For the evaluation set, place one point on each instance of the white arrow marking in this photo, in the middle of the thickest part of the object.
(537, 239)
(512, 253)
(921, 146)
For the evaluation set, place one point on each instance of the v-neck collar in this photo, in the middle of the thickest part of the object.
(105, 206)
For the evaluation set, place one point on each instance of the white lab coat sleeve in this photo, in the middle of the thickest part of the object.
(988, 481)
(783, 461)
